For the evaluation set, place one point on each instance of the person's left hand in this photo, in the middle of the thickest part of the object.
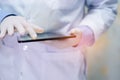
(65, 43)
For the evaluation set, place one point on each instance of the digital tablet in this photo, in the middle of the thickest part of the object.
(43, 37)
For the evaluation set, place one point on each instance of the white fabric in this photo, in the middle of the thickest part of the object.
(37, 61)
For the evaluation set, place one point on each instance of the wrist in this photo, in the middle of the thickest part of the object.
(87, 35)
(7, 16)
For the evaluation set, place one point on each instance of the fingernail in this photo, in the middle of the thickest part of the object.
(34, 36)
(41, 30)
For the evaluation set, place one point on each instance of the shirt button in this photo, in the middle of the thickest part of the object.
(21, 73)
(21, 76)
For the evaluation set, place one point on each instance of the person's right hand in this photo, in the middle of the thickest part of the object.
(12, 24)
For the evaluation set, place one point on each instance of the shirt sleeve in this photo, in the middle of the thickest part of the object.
(100, 16)
(4, 14)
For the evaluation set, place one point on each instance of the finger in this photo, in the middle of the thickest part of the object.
(19, 27)
(30, 30)
(37, 28)
(3, 31)
(10, 30)
(75, 31)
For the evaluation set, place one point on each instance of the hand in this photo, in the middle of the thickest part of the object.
(12, 24)
(65, 43)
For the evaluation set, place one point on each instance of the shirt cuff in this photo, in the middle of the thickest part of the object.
(88, 38)
(4, 14)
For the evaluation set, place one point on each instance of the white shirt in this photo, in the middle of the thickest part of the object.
(54, 14)
(37, 61)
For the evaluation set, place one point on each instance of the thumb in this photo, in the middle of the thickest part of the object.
(75, 31)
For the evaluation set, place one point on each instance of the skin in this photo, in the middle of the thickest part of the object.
(13, 24)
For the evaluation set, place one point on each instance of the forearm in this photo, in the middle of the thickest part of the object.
(101, 15)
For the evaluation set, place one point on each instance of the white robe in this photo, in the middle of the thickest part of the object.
(38, 61)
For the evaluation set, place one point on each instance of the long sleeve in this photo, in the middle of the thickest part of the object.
(4, 14)
(6, 10)
(101, 14)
